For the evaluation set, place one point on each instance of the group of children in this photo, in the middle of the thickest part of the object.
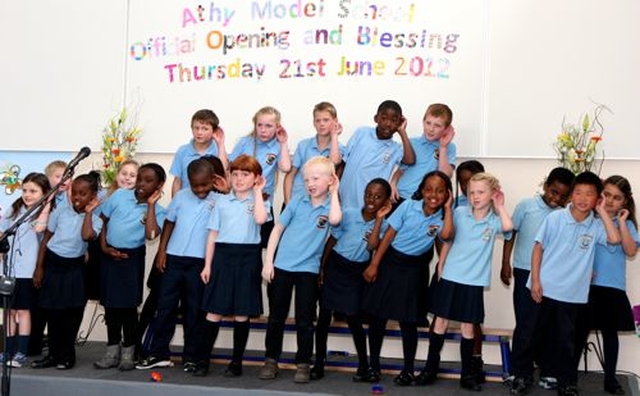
(362, 242)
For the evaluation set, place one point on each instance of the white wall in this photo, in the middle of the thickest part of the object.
(519, 178)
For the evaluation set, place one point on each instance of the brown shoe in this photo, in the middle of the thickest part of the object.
(270, 369)
(303, 373)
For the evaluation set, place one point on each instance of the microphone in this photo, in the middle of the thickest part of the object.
(84, 153)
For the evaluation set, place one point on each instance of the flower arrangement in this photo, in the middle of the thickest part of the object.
(119, 142)
(577, 144)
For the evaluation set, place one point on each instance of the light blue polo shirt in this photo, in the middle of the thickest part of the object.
(234, 221)
(610, 266)
(267, 154)
(66, 226)
(469, 260)
(415, 231)
(23, 249)
(427, 157)
(527, 218)
(190, 216)
(367, 157)
(183, 158)
(569, 249)
(304, 236)
(127, 219)
(307, 149)
(352, 235)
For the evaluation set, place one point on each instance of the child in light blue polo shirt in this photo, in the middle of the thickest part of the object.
(61, 266)
(561, 268)
(465, 270)
(180, 259)
(299, 236)
(130, 217)
(372, 152)
(325, 143)
(609, 309)
(527, 217)
(267, 143)
(208, 139)
(20, 263)
(434, 150)
(233, 261)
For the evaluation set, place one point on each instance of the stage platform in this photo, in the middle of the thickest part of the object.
(84, 380)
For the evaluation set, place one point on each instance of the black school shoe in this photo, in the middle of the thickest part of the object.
(613, 387)
(201, 369)
(469, 383)
(233, 370)
(369, 375)
(317, 372)
(521, 385)
(425, 378)
(46, 362)
(405, 378)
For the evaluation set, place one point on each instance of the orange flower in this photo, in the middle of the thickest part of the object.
(115, 151)
(118, 158)
(596, 138)
(130, 139)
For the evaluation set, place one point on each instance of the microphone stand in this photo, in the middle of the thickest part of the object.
(7, 284)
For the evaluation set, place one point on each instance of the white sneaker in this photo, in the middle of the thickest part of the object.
(548, 383)
(18, 360)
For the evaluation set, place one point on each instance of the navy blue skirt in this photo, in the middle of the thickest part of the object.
(394, 294)
(343, 286)
(609, 309)
(455, 301)
(235, 284)
(24, 295)
(122, 281)
(63, 282)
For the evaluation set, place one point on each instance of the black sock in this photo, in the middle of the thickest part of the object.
(211, 330)
(359, 339)
(611, 347)
(11, 346)
(322, 335)
(240, 337)
(436, 341)
(466, 354)
(409, 344)
(377, 328)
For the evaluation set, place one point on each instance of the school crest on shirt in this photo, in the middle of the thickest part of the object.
(250, 208)
(386, 157)
(486, 235)
(321, 221)
(143, 219)
(436, 155)
(271, 158)
(584, 241)
(433, 229)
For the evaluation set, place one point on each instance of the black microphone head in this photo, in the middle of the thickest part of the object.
(85, 152)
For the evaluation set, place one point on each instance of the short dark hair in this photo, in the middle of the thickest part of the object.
(390, 105)
(200, 166)
(589, 179)
(561, 175)
(157, 169)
